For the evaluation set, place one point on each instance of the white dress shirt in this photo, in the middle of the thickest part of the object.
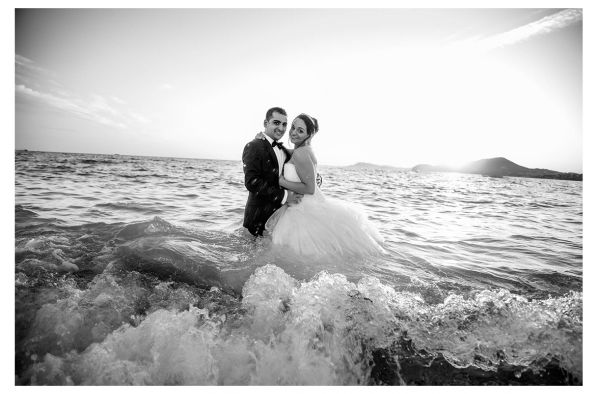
(280, 161)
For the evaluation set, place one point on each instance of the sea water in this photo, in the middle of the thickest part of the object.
(136, 270)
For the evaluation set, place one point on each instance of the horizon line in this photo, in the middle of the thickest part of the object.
(328, 165)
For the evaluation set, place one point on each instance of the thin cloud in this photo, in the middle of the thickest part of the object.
(167, 86)
(140, 118)
(22, 61)
(118, 100)
(88, 112)
(100, 104)
(545, 25)
(30, 78)
(30, 74)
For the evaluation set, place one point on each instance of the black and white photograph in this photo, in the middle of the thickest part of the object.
(263, 196)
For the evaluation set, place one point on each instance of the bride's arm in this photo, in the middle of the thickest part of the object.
(305, 169)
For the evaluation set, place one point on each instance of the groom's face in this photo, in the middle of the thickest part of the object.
(276, 125)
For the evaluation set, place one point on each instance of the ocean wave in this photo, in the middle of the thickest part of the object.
(135, 207)
(46, 251)
(22, 213)
(97, 161)
(189, 195)
(324, 331)
(457, 300)
(134, 176)
(471, 201)
(156, 226)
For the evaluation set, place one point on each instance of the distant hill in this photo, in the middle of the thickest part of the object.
(370, 166)
(500, 167)
(430, 168)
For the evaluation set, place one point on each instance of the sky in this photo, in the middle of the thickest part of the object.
(395, 87)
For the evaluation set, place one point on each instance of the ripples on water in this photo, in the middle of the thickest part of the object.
(135, 270)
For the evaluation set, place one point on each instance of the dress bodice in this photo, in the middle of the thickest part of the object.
(289, 172)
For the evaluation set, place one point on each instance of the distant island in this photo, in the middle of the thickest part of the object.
(370, 166)
(499, 167)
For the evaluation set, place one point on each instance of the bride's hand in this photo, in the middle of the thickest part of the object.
(260, 136)
(281, 181)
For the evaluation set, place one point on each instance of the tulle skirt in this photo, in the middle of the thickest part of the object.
(319, 225)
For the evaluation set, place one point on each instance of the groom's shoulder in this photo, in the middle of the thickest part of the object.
(253, 146)
(255, 143)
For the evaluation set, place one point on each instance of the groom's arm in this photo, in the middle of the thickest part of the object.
(254, 179)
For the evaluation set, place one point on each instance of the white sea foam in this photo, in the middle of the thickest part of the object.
(322, 331)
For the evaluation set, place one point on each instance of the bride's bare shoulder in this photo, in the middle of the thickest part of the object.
(304, 153)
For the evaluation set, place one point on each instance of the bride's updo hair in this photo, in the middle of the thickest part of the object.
(312, 126)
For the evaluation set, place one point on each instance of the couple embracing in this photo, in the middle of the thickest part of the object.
(284, 198)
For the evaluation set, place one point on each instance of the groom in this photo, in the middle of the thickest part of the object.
(263, 164)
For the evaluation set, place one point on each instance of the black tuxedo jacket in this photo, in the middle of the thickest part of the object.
(261, 177)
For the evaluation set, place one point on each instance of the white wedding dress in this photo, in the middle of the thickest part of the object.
(320, 225)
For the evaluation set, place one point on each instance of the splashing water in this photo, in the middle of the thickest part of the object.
(107, 296)
(324, 331)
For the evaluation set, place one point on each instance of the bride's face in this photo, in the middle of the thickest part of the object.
(298, 132)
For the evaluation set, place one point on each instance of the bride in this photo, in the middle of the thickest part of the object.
(317, 225)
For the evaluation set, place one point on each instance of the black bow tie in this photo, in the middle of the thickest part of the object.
(279, 144)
